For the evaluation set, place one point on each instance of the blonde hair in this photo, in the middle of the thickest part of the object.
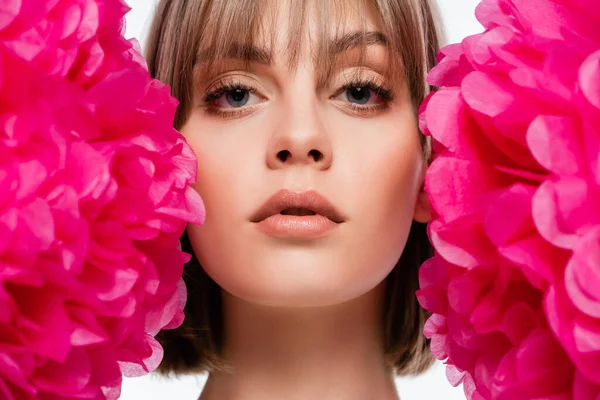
(184, 30)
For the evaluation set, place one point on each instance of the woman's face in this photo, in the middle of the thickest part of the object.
(269, 128)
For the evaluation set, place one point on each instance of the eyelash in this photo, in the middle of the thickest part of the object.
(386, 94)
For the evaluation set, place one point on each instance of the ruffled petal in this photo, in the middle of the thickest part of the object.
(95, 193)
(514, 286)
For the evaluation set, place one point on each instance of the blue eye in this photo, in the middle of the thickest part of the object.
(359, 95)
(365, 93)
(237, 97)
(230, 95)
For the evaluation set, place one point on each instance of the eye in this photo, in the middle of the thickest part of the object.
(365, 93)
(231, 98)
(236, 98)
(358, 95)
(231, 95)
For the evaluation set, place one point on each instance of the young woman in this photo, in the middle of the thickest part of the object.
(303, 115)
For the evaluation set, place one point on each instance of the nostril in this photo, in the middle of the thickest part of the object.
(283, 155)
(316, 155)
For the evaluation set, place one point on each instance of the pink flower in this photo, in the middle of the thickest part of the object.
(94, 196)
(514, 286)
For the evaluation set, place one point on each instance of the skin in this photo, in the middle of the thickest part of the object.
(302, 317)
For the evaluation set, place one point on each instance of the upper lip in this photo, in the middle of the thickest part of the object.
(285, 199)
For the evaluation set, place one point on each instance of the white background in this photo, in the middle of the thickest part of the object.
(459, 21)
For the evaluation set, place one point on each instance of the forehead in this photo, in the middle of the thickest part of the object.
(269, 30)
(314, 21)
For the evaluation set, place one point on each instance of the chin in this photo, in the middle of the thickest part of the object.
(293, 295)
(299, 278)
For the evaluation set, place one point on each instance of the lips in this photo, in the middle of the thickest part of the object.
(307, 203)
(298, 212)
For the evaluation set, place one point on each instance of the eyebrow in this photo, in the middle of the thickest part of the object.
(355, 39)
(238, 51)
(263, 56)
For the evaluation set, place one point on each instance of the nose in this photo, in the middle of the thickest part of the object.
(300, 138)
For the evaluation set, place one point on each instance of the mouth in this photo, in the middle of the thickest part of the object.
(297, 216)
(305, 204)
(299, 212)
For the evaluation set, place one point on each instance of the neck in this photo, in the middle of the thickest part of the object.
(324, 353)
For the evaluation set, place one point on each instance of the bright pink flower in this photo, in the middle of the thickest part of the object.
(514, 286)
(94, 196)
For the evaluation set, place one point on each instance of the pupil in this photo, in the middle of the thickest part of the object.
(359, 94)
(237, 97)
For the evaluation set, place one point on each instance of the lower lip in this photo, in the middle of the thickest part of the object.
(294, 226)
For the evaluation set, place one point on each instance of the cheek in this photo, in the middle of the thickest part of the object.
(227, 161)
(228, 164)
(388, 178)
(396, 186)
(395, 182)
(384, 194)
